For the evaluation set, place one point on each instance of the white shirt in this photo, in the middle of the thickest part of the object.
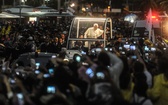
(138, 99)
(148, 78)
(92, 33)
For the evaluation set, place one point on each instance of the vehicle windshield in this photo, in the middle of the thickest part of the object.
(87, 32)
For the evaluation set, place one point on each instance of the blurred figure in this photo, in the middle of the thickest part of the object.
(114, 64)
(160, 85)
(56, 42)
(126, 82)
(140, 90)
(118, 43)
(93, 32)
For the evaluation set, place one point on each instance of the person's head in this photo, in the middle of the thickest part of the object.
(104, 58)
(81, 36)
(125, 75)
(138, 67)
(119, 39)
(62, 54)
(141, 86)
(62, 36)
(95, 26)
(56, 39)
(60, 40)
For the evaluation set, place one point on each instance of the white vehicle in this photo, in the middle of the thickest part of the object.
(79, 28)
(81, 24)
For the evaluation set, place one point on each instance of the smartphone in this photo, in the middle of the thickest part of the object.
(90, 72)
(78, 58)
(120, 48)
(46, 75)
(146, 54)
(123, 52)
(106, 49)
(17, 73)
(111, 49)
(51, 89)
(19, 96)
(164, 48)
(37, 72)
(51, 71)
(83, 53)
(100, 75)
(134, 57)
(127, 46)
(12, 81)
(37, 65)
(93, 51)
(98, 49)
(53, 56)
(146, 48)
(153, 49)
(132, 47)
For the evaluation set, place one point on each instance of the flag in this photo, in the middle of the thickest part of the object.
(149, 23)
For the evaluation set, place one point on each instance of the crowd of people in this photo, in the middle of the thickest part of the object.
(130, 72)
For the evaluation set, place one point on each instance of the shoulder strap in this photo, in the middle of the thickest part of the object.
(141, 102)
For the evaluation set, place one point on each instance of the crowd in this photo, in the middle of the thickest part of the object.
(133, 72)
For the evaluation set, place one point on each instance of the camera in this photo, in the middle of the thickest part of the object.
(51, 89)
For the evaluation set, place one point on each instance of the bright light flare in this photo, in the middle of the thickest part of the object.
(72, 5)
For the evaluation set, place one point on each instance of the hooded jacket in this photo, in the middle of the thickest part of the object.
(159, 92)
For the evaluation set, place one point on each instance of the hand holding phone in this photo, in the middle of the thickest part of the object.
(51, 89)
(90, 72)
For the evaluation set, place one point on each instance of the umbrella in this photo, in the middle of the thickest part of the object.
(8, 15)
(44, 8)
(23, 6)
